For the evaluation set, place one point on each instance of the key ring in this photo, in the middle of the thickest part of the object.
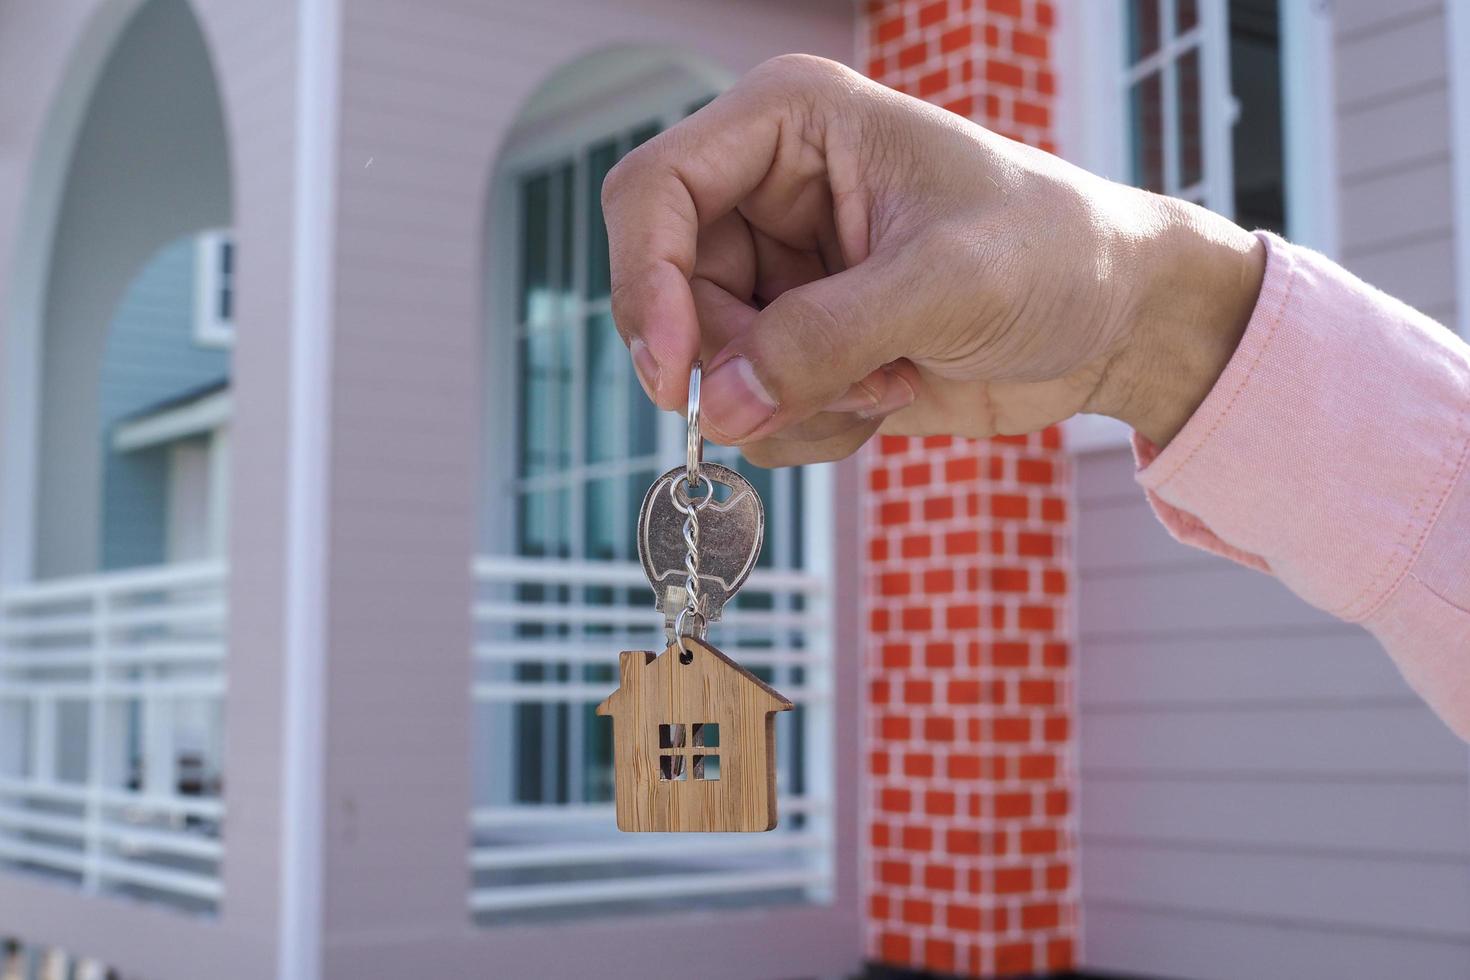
(694, 441)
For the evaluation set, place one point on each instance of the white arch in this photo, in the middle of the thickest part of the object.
(134, 153)
(27, 287)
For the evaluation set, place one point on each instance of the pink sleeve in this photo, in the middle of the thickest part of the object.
(1332, 453)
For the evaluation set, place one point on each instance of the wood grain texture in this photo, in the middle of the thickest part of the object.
(656, 690)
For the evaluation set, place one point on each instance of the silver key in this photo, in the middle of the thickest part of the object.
(730, 537)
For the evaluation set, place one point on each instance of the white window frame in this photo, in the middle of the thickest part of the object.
(210, 329)
(1309, 124)
(1094, 125)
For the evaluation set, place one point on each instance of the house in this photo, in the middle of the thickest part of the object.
(675, 773)
(269, 650)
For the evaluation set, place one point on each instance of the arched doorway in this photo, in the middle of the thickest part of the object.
(571, 446)
(111, 693)
(150, 164)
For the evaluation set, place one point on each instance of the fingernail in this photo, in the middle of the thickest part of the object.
(735, 401)
(899, 394)
(647, 367)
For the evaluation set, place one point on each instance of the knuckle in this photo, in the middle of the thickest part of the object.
(808, 67)
(634, 167)
(617, 179)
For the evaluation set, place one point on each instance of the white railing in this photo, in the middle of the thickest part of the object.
(111, 727)
(547, 638)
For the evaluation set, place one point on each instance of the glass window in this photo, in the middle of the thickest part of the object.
(1255, 72)
(1146, 105)
(1164, 95)
(214, 289)
(1175, 114)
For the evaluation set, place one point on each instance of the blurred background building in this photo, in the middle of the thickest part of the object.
(319, 460)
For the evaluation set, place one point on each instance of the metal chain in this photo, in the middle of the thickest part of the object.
(693, 612)
(692, 615)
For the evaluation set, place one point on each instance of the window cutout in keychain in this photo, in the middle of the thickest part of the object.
(671, 736)
(706, 735)
(671, 768)
(707, 767)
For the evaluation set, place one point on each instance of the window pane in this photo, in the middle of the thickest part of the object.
(530, 725)
(534, 300)
(542, 520)
(638, 484)
(546, 383)
(226, 281)
(600, 160)
(607, 423)
(621, 422)
(798, 552)
(597, 772)
(1186, 16)
(1191, 121)
(1143, 29)
(763, 481)
(604, 519)
(566, 208)
(1146, 109)
(1255, 72)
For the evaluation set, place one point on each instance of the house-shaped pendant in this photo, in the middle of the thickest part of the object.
(694, 745)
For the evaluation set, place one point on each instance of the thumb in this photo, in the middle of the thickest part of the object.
(800, 354)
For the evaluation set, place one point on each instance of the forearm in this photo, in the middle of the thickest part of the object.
(1332, 452)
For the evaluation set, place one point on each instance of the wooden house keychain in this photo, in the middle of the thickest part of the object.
(694, 733)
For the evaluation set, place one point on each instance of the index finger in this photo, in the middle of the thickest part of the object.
(655, 201)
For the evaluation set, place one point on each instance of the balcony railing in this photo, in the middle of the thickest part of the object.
(544, 843)
(111, 700)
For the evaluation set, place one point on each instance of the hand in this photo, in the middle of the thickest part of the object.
(847, 259)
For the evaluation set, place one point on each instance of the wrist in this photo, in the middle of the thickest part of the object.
(1201, 278)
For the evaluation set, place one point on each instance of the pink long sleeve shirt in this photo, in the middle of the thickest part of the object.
(1333, 453)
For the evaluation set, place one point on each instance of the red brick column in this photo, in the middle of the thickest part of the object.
(972, 858)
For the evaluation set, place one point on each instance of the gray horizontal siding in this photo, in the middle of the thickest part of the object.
(1334, 889)
(1393, 149)
(1356, 19)
(1154, 940)
(1323, 816)
(1257, 738)
(1405, 49)
(1261, 794)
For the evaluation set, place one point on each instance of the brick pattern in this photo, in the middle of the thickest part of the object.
(971, 866)
(990, 60)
